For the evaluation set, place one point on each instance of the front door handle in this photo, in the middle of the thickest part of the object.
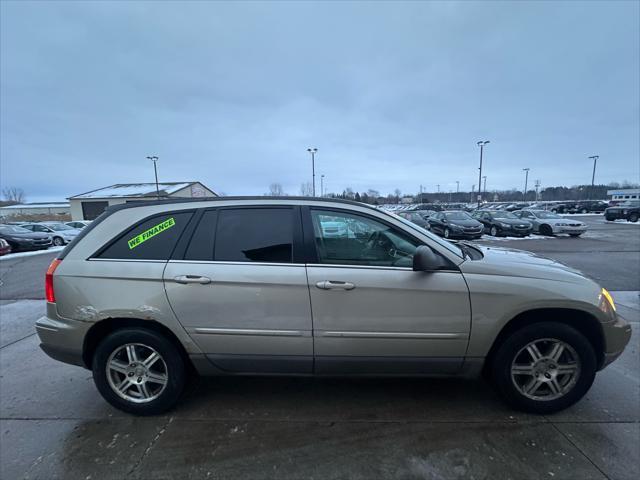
(185, 279)
(332, 284)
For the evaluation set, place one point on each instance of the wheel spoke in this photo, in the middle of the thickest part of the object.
(567, 368)
(151, 359)
(154, 377)
(118, 366)
(131, 354)
(144, 391)
(532, 387)
(556, 351)
(554, 386)
(534, 351)
(124, 385)
(522, 369)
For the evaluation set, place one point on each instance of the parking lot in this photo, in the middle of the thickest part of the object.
(54, 424)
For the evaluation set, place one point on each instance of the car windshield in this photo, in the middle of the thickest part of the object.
(503, 215)
(13, 229)
(58, 226)
(457, 216)
(546, 215)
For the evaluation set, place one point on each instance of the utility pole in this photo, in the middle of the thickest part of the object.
(593, 175)
(473, 190)
(438, 188)
(313, 152)
(484, 183)
(322, 185)
(457, 186)
(154, 159)
(537, 187)
(526, 181)
(481, 144)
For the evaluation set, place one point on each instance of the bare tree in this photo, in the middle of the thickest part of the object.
(306, 189)
(14, 194)
(275, 190)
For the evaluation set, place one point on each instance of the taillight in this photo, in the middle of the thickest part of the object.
(48, 281)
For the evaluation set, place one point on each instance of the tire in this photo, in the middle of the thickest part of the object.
(609, 219)
(546, 230)
(162, 396)
(575, 235)
(447, 233)
(577, 357)
(554, 210)
(493, 231)
(633, 217)
(58, 241)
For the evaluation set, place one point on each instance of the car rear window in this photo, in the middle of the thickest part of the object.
(151, 239)
(254, 235)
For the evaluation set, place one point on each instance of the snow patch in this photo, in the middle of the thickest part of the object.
(30, 254)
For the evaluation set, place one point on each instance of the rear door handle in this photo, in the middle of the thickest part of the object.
(332, 284)
(185, 279)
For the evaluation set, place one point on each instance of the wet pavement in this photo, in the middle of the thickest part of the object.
(54, 424)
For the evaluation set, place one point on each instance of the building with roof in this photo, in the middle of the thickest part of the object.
(624, 194)
(48, 208)
(89, 205)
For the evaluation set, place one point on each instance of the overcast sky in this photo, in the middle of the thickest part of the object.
(393, 95)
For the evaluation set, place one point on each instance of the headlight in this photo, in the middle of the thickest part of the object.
(605, 294)
(505, 225)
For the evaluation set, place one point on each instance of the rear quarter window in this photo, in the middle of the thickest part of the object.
(152, 239)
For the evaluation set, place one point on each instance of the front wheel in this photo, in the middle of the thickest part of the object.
(544, 367)
(546, 230)
(58, 241)
(493, 231)
(139, 371)
(447, 233)
(633, 217)
(584, 210)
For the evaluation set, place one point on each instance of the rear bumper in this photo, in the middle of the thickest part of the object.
(60, 338)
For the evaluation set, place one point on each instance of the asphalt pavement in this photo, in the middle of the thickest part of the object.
(54, 424)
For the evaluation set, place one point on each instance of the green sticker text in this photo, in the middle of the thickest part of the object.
(152, 232)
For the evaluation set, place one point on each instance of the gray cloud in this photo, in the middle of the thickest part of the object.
(393, 94)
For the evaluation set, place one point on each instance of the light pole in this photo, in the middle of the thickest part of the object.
(484, 183)
(537, 187)
(481, 144)
(526, 181)
(154, 159)
(457, 186)
(438, 188)
(593, 175)
(313, 151)
(322, 185)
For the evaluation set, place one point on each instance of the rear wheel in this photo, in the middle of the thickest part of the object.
(493, 231)
(447, 233)
(633, 217)
(544, 367)
(139, 371)
(584, 210)
(546, 230)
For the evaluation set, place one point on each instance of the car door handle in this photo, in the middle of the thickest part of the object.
(185, 279)
(332, 284)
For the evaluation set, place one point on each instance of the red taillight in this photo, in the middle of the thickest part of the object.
(48, 281)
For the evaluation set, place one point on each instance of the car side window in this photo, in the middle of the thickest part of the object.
(151, 239)
(201, 244)
(255, 235)
(351, 239)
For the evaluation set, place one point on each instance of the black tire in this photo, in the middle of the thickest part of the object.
(633, 217)
(584, 210)
(609, 219)
(575, 235)
(176, 370)
(508, 350)
(493, 231)
(546, 230)
(446, 233)
(554, 210)
(58, 241)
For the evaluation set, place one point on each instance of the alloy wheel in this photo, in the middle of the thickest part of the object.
(137, 373)
(545, 369)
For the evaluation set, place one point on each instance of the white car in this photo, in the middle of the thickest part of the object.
(549, 223)
(60, 233)
(78, 224)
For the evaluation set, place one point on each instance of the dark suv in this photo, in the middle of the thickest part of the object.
(629, 210)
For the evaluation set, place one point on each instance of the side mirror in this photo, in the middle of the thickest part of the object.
(424, 260)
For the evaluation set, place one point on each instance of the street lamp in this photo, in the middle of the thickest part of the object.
(484, 182)
(154, 159)
(322, 185)
(313, 152)
(537, 188)
(481, 144)
(526, 181)
(593, 176)
(457, 186)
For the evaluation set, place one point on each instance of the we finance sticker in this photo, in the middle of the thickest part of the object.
(152, 232)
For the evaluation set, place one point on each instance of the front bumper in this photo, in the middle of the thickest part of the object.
(569, 229)
(617, 334)
(61, 338)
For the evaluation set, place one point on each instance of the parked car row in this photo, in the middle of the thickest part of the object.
(37, 235)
